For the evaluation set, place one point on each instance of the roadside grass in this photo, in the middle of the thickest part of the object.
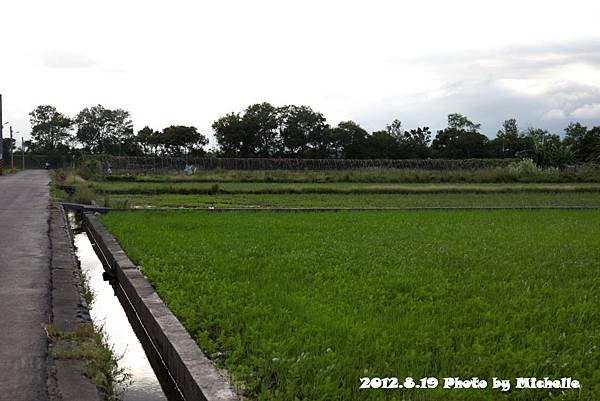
(373, 175)
(88, 345)
(524, 199)
(157, 188)
(66, 185)
(302, 305)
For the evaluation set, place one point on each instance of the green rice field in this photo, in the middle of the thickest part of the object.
(301, 306)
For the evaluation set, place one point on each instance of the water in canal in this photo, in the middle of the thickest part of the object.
(122, 332)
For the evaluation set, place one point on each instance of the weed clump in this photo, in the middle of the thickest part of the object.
(83, 194)
(214, 190)
(88, 344)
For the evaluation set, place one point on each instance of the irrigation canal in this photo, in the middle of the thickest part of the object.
(148, 379)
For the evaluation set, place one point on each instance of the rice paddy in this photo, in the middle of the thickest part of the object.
(303, 305)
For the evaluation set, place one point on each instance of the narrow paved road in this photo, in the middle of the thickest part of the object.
(24, 285)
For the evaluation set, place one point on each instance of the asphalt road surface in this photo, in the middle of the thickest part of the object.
(24, 285)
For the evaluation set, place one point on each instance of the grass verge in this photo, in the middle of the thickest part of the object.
(329, 188)
(525, 199)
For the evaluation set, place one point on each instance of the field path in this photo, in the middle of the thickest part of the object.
(24, 285)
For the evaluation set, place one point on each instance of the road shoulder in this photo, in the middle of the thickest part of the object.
(66, 378)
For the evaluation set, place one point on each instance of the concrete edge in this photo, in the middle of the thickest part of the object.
(68, 311)
(194, 373)
(78, 207)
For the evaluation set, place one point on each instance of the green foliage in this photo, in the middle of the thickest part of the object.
(254, 133)
(102, 130)
(509, 142)
(180, 139)
(214, 189)
(50, 130)
(461, 140)
(175, 140)
(265, 131)
(339, 296)
(524, 169)
(348, 140)
(462, 123)
(83, 194)
(86, 291)
(88, 167)
(302, 131)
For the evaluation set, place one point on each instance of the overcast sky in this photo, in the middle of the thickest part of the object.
(190, 62)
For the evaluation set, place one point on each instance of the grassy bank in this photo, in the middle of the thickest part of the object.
(522, 199)
(70, 187)
(300, 305)
(157, 188)
(517, 173)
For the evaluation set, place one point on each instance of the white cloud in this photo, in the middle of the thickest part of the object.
(554, 114)
(531, 86)
(190, 62)
(66, 59)
(587, 112)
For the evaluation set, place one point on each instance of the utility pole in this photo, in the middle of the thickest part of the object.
(23, 153)
(1, 126)
(10, 149)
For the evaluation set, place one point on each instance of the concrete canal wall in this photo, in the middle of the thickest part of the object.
(195, 374)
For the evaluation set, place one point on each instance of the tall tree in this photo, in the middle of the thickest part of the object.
(460, 140)
(348, 141)
(395, 129)
(101, 130)
(254, 133)
(261, 121)
(50, 129)
(546, 149)
(462, 123)
(182, 140)
(148, 139)
(416, 143)
(382, 145)
(509, 142)
(593, 144)
(411, 144)
(580, 139)
(302, 131)
(232, 137)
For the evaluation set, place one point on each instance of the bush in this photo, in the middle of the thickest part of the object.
(523, 168)
(83, 194)
(214, 190)
(89, 167)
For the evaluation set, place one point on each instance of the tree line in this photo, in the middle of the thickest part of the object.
(99, 130)
(263, 130)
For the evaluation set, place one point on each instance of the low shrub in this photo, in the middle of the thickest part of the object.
(83, 194)
(524, 168)
(88, 167)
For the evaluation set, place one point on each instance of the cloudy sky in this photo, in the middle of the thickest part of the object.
(189, 62)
